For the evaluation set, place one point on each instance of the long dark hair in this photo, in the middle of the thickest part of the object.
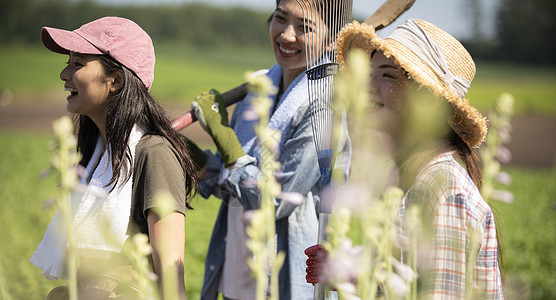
(467, 155)
(132, 104)
(473, 165)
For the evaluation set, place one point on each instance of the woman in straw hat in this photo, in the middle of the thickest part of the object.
(129, 153)
(420, 60)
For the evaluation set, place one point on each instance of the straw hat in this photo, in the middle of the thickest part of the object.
(452, 85)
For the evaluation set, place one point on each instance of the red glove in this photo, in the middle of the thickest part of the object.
(315, 263)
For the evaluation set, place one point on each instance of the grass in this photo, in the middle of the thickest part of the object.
(23, 157)
(528, 226)
(182, 72)
(533, 87)
(198, 229)
(30, 70)
(23, 194)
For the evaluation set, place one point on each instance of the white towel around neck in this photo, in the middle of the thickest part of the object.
(100, 218)
(295, 96)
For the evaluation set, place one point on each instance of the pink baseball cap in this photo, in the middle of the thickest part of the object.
(120, 38)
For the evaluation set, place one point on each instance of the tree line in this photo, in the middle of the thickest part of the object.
(524, 33)
(195, 24)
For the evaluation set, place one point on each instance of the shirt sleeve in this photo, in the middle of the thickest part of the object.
(161, 172)
(209, 185)
(486, 273)
(463, 257)
(298, 173)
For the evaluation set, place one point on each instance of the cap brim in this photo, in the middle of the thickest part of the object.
(64, 41)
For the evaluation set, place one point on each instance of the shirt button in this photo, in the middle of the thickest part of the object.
(211, 267)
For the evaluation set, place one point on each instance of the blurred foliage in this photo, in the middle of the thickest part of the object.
(521, 26)
(524, 33)
(525, 30)
(199, 24)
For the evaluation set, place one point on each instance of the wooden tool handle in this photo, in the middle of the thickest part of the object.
(388, 13)
(230, 97)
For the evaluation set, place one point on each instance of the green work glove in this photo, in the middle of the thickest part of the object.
(211, 112)
(197, 155)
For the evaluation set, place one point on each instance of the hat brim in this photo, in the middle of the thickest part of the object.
(64, 41)
(467, 121)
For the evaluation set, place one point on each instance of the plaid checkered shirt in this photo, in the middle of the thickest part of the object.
(461, 253)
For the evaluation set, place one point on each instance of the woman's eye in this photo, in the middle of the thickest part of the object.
(306, 28)
(74, 63)
(279, 18)
(386, 75)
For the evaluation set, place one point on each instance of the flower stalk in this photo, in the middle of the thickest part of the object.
(494, 154)
(64, 160)
(262, 231)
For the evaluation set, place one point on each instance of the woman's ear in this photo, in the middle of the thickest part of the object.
(117, 79)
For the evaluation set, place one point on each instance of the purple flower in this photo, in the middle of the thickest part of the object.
(504, 134)
(45, 173)
(249, 183)
(403, 270)
(293, 198)
(504, 196)
(248, 215)
(345, 264)
(353, 197)
(250, 115)
(398, 285)
(503, 155)
(504, 178)
(81, 171)
(49, 203)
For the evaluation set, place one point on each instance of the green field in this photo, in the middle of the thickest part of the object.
(27, 212)
(183, 72)
(528, 225)
(533, 87)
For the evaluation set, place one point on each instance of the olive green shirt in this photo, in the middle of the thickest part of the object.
(157, 168)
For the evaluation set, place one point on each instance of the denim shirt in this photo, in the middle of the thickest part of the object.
(296, 225)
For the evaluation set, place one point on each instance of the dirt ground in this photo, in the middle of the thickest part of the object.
(533, 141)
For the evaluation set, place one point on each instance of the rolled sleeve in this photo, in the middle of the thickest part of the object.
(299, 172)
(209, 184)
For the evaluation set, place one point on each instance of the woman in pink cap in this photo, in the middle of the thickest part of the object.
(130, 154)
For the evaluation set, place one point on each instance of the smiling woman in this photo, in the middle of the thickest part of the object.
(291, 33)
(129, 153)
(89, 86)
(231, 172)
